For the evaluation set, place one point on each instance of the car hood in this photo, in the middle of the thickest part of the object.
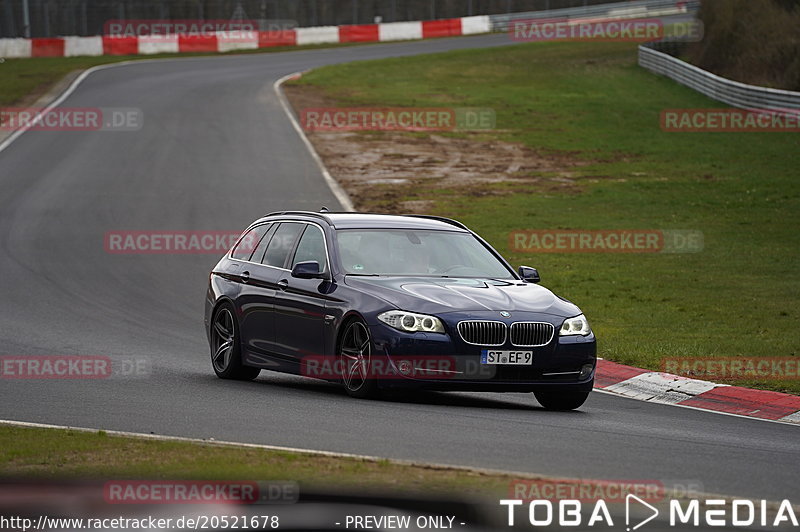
(436, 295)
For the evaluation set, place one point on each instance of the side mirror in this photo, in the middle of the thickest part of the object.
(528, 274)
(307, 270)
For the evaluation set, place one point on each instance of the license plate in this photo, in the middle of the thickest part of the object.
(514, 358)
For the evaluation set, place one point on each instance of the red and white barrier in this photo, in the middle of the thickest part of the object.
(473, 25)
(74, 46)
(226, 42)
(318, 35)
(158, 44)
(246, 41)
(15, 48)
(399, 31)
(359, 33)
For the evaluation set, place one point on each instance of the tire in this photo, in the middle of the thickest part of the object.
(561, 400)
(226, 349)
(355, 356)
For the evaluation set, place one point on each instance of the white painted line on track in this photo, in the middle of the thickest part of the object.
(334, 185)
(64, 95)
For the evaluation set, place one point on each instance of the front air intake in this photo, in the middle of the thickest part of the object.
(488, 333)
(531, 333)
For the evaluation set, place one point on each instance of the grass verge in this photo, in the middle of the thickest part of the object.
(592, 104)
(31, 453)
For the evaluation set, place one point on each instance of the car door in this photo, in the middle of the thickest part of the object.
(255, 302)
(272, 262)
(300, 303)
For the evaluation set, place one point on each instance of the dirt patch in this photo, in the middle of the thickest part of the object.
(391, 171)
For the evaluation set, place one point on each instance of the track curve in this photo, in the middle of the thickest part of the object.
(216, 151)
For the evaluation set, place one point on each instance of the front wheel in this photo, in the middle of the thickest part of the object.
(226, 351)
(561, 400)
(355, 356)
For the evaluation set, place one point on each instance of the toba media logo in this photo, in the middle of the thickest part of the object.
(692, 512)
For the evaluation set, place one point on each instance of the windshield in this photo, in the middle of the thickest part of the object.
(415, 252)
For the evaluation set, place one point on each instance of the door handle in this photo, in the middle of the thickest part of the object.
(283, 284)
(245, 276)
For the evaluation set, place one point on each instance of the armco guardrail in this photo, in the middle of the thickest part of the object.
(718, 88)
(628, 10)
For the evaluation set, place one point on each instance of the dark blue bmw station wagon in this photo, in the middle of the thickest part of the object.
(381, 301)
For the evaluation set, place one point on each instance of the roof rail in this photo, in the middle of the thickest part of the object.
(303, 213)
(329, 221)
(439, 218)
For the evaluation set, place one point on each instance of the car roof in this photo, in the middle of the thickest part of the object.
(354, 220)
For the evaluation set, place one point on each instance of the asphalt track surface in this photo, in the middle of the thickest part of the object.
(217, 151)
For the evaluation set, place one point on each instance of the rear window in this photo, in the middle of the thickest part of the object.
(244, 248)
(282, 243)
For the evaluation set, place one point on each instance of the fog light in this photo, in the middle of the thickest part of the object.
(405, 367)
(586, 370)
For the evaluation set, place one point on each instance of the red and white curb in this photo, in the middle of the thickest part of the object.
(665, 388)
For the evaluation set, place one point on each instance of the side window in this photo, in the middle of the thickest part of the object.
(244, 249)
(258, 254)
(281, 244)
(311, 247)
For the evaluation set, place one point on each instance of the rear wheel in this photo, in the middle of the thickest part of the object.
(561, 400)
(355, 356)
(225, 347)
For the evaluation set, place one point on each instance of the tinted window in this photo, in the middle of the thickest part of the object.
(281, 244)
(311, 247)
(244, 249)
(258, 254)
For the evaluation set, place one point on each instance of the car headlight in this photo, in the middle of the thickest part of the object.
(576, 325)
(411, 322)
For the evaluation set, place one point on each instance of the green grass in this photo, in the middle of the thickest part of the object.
(55, 453)
(590, 102)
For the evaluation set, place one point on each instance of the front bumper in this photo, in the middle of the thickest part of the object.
(446, 362)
